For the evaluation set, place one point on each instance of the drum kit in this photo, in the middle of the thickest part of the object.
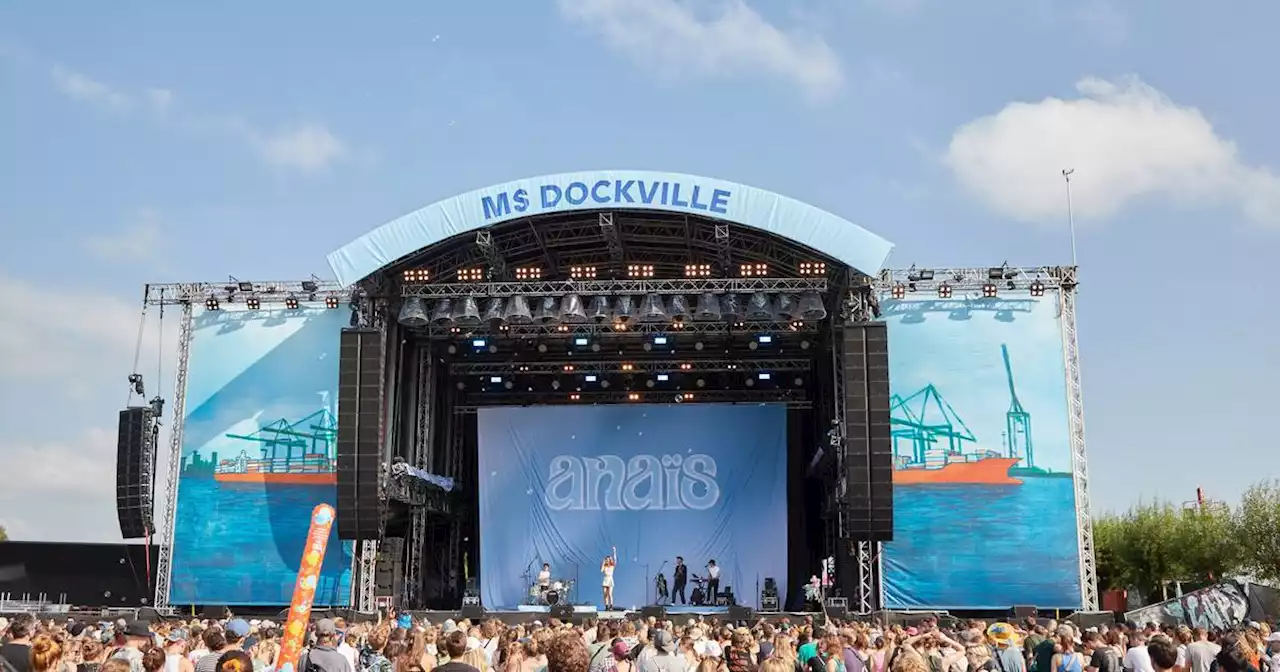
(552, 593)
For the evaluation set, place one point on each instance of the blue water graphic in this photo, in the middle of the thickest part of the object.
(983, 546)
(243, 538)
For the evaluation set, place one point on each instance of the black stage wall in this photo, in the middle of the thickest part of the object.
(99, 575)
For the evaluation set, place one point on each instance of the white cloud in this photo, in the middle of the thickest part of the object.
(160, 99)
(88, 90)
(72, 327)
(308, 148)
(1126, 141)
(670, 36)
(140, 240)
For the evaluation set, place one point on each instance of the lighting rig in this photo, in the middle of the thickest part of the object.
(974, 283)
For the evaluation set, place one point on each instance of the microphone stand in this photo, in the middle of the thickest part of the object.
(646, 583)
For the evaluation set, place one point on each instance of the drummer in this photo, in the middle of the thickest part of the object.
(544, 577)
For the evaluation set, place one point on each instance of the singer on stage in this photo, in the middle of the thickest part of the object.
(713, 582)
(681, 577)
(606, 571)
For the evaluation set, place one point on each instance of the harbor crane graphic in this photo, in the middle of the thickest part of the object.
(1017, 420)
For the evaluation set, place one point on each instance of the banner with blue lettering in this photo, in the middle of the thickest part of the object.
(565, 485)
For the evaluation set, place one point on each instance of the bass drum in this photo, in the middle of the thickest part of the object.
(552, 598)
(699, 598)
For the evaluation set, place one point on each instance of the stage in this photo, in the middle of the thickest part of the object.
(583, 614)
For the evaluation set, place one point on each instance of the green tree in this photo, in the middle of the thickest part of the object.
(1207, 545)
(1257, 523)
(4, 535)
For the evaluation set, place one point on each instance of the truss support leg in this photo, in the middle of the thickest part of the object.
(866, 598)
(1079, 457)
(366, 564)
(168, 521)
(612, 241)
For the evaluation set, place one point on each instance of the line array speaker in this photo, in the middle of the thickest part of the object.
(388, 570)
(135, 472)
(360, 415)
(868, 466)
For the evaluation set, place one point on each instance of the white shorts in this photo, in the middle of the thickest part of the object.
(608, 582)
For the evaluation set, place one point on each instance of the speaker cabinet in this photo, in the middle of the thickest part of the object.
(135, 472)
(360, 413)
(868, 463)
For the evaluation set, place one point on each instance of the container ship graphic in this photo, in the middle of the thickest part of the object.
(931, 444)
(292, 453)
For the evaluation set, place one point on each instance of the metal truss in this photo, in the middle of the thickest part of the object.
(724, 247)
(366, 571)
(267, 292)
(793, 398)
(612, 241)
(608, 330)
(168, 521)
(492, 255)
(1079, 456)
(641, 366)
(970, 279)
(421, 458)
(867, 552)
(614, 287)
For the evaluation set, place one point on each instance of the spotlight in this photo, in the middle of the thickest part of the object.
(698, 346)
(542, 348)
(659, 340)
(211, 304)
(697, 270)
(813, 268)
(331, 302)
(639, 271)
(462, 385)
(634, 396)
(765, 339)
(474, 274)
(582, 272)
(555, 384)
(590, 378)
(529, 273)
(899, 291)
(245, 286)
(686, 366)
(989, 290)
(310, 285)
(944, 291)
(701, 382)
(416, 275)
(495, 379)
(252, 303)
(1037, 288)
(291, 302)
(764, 375)
(995, 273)
(575, 396)
(649, 383)
(804, 345)
(754, 270)
(922, 274)
(452, 349)
(479, 343)
(605, 383)
(581, 342)
(508, 384)
(799, 382)
(663, 377)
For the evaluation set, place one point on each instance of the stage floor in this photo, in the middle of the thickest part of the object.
(529, 614)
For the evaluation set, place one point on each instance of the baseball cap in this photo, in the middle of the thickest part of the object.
(238, 627)
(326, 626)
(663, 640)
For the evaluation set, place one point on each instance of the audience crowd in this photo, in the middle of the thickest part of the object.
(695, 645)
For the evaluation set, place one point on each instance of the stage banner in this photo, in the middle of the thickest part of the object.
(983, 493)
(257, 456)
(565, 484)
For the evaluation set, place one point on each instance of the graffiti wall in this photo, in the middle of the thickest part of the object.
(984, 500)
(257, 456)
(1219, 607)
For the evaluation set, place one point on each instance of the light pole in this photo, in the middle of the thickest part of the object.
(1071, 220)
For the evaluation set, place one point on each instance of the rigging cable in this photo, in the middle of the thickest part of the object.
(137, 346)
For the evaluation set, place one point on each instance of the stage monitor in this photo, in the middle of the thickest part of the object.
(984, 502)
(258, 455)
(566, 484)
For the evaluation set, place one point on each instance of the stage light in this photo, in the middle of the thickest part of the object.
(542, 348)
(211, 304)
(639, 271)
(627, 367)
(509, 384)
(462, 385)
(995, 273)
(649, 383)
(590, 378)
(245, 286)
(1037, 288)
(754, 270)
(252, 303)
(568, 368)
(764, 375)
(495, 379)
(686, 366)
(555, 384)
(529, 273)
(922, 274)
(416, 275)
(474, 274)
(898, 291)
(662, 377)
(697, 270)
(291, 302)
(804, 345)
(813, 268)
(605, 383)
(989, 290)
(944, 291)
(798, 381)
(582, 272)
(701, 382)
(765, 339)
(478, 343)
(331, 302)
(574, 397)
(581, 342)
(452, 349)
(634, 396)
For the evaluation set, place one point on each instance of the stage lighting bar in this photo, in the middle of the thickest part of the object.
(639, 271)
(291, 303)
(524, 273)
(967, 282)
(473, 274)
(253, 303)
(697, 270)
(656, 367)
(754, 270)
(813, 268)
(208, 294)
(582, 272)
(634, 287)
(212, 304)
(331, 302)
(474, 399)
(611, 330)
(944, 291)
(416, 275)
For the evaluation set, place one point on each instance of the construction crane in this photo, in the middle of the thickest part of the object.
(1017, 420)
(312, 435)
(922, 419)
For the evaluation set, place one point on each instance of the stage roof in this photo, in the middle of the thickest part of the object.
(611, 190)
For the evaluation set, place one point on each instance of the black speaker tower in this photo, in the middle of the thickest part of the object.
(868, 441)
(135, 471)
(360, 415)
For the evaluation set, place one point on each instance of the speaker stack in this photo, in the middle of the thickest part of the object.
(868, 441)
(360, 414)
(135, 472)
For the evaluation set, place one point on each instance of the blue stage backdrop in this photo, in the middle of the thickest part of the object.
(984, 500)
(564, 484)
(257, 456)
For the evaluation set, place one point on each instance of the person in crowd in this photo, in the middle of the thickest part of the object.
(566, 653)
(235, 660)
(455, 646)
(92, 653)
(265, 651)
(373, 656)
(664, 658)
(1163, 653)
(137, 639)
(153, 659)
(17, 651)
(1231, 657)
(830, 656)
(46, 654)
(1137, 659)
(221, 640)
(175, 650)
(1201, 652)
(324, 656)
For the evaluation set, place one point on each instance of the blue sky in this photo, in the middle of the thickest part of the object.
(152, 142)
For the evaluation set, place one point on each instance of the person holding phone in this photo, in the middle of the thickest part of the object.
(606, 572)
